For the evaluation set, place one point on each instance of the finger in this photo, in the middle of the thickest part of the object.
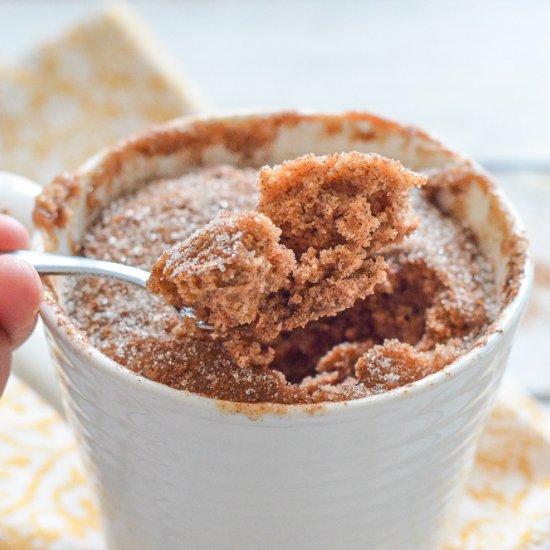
(20, 297)
(13, 234)
(5, 362)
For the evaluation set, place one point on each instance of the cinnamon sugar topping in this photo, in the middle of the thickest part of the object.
(226, 270)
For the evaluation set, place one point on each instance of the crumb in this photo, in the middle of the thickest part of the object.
(343, 198)
(394, 364)
(226, 270)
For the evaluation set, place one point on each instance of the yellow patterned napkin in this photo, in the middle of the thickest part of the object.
(100, 81)
(45, 499)
(506, 505)
(47, 503)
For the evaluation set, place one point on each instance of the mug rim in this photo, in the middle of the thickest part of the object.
(51, 312)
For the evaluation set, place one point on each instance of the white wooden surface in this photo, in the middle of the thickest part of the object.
(475, 73)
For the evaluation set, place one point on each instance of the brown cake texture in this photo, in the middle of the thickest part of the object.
(225, 270)
(333, 214)
(437, 298)
(352, 198)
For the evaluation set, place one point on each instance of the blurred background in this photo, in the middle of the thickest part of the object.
(474, 73)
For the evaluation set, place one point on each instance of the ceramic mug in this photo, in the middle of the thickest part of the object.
(178, 470)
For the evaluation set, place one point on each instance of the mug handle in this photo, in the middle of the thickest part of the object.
(31, 362)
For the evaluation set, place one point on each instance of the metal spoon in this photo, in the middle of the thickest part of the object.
(58, 264)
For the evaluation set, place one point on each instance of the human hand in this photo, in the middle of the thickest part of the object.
(20, 294)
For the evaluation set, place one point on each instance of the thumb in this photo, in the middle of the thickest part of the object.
(20, 298)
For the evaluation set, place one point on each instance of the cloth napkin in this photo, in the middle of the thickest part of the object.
(99, 81)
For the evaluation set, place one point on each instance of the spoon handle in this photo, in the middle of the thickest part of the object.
(58, 264)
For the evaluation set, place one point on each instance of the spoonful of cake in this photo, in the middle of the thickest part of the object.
(310, 250)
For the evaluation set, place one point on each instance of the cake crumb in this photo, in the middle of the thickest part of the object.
(352, 198)
(226, 270)
(394, 364)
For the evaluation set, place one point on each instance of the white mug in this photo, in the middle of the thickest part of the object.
(177, 470)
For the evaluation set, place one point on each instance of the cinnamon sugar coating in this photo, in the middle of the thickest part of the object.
(394, 363)
(225, 270)
(333, 212)
(438, 298)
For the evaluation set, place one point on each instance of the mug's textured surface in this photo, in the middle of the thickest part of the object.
(176, 474)
(178, 470)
